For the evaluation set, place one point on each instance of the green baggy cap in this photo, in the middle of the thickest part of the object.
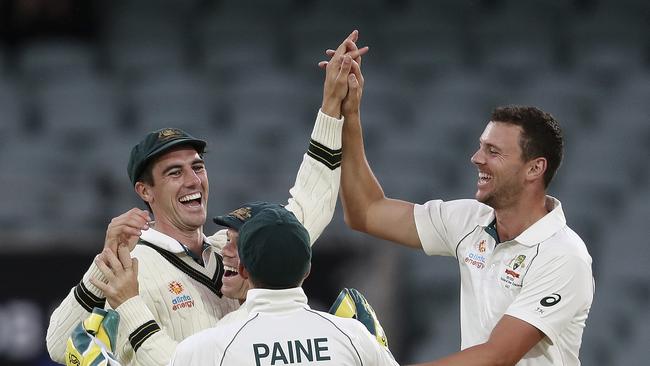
(274, 248)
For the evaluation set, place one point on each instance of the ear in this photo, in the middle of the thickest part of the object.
(305, 276)
(242, 271)
(536, 169)
(308, 272)
(144, 191)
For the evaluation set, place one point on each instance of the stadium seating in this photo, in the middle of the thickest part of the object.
(243, 75)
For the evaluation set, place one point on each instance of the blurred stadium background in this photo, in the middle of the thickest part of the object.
(81, 81)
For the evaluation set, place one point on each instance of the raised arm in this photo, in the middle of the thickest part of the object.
(314, 194)
(365, 206)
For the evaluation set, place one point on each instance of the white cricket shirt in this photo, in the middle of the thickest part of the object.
(281, 329)
(542, 277)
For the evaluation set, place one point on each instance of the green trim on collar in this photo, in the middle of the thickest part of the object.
(492, 230)
(214, 283)
(197, 259)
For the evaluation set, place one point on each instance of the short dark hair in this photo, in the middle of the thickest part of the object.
(541, 135)
(147, 174)
(147, 177)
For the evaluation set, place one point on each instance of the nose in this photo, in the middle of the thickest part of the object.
(192, 179)
(228, 249)
(477, 158)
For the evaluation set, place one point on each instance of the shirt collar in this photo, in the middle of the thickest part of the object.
(164, 241)
(545, 227)
(541, 230)
(264, 300)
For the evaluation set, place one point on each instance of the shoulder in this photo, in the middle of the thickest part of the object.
(199, 340)
(142, 249)
(214, 336)
(565, 246)
(346, 326)
(562, 259)
(463, 211)
(239, 315)
(198, 348)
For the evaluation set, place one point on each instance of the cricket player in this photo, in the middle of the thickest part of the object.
(526, 278)
(280, 329)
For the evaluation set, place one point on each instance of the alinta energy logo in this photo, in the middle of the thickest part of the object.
(180, 301)
(475, 257)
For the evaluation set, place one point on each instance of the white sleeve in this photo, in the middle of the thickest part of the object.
(191, 351)
(553, 291)
(73, 309)
(315, 192)
(442, 224)
(218, 240)
(141, 340)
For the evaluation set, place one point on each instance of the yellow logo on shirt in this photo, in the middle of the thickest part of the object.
(175, 287)
(482, 246)
(179, 301)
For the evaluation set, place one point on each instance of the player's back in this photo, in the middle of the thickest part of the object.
(298, 337)
(281, 329)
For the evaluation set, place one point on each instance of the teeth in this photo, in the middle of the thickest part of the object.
(232, 269)
(484, 176)
(190, 197)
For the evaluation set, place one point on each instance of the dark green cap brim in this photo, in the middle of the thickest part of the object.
(238, 217)
(228, 221)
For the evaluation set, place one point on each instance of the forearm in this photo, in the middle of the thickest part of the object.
(359, 187)
(72, 310)
(63, 320)
(509, 342)
(314, 194)
(331, 105)
(141, 340)
(479, 355)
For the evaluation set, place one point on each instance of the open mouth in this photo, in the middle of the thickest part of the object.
(230, 271)
(483, 178)
(192, 200)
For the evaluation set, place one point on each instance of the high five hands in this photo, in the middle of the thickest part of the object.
(343, 74)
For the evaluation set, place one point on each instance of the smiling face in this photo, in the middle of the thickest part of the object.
(233, 285)
(179, 194)
(501, 168)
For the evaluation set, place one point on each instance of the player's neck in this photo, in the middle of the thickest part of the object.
(191, 238)
(516, 218)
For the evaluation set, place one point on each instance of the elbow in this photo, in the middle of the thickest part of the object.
(357, 216)
(353, 222)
